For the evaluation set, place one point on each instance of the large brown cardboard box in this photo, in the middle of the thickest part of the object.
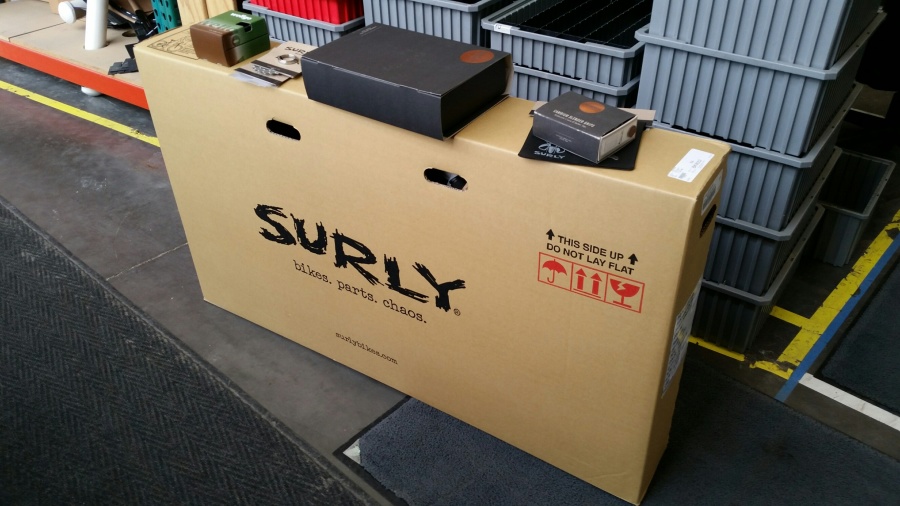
(548, 305)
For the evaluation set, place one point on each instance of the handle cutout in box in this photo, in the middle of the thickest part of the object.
(283, 129)
(448, 179)
(708, 219)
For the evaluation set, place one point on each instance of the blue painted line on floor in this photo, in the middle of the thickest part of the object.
(836, 324)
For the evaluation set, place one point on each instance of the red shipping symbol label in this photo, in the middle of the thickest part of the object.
(591, 282)
(555, 271)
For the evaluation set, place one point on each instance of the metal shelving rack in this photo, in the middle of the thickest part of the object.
(35, 44)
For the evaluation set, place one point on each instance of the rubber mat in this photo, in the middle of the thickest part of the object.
(728, 445)
(99, 405)
(866, 363)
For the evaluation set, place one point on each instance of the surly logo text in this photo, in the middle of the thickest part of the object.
(550, 150)
(284, 229)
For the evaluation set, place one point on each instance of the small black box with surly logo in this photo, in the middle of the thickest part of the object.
(584, 127)
(419, 82)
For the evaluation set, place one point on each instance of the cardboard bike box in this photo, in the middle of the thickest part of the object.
(546, 304)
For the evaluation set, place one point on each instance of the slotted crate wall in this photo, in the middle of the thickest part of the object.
(771, 105)
(766, 188)
(329, 11)
(459, 21)
(849, 197)
(284, 27)
(733, 318)
(747, 256)
(591, 40)
(802, 32)
(532, 84)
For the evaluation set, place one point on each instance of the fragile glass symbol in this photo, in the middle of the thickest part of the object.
(624, 290)
(554, 267)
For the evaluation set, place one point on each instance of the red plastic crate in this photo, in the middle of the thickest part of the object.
(330, 11)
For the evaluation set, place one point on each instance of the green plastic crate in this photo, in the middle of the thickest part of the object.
(166, 13)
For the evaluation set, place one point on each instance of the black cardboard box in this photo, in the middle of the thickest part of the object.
(583, 126)
(419, 82)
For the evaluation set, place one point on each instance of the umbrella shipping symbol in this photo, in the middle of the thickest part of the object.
(591, 282)
(555, 268)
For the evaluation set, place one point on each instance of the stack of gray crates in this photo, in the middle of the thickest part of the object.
(585, 46)
(775, 80)
(447, 19)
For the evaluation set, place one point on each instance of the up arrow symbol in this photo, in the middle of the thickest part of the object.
(550, 235)
(633, 259)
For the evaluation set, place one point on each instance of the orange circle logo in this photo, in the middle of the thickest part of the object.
(591, 107)
(476, 56)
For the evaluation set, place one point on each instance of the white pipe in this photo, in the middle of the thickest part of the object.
(95, 28)
(71, 11)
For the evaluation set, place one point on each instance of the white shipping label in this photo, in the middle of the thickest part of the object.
(682, 333)
(690, 165)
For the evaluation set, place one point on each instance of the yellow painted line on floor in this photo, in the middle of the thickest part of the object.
(790, 317)
(811, 328)
(822, 318)
(779, 370)
(716, 348)
(74, 111)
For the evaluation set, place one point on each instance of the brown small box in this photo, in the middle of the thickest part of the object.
(230, 37)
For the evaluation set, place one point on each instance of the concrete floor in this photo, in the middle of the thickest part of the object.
(106, 197)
